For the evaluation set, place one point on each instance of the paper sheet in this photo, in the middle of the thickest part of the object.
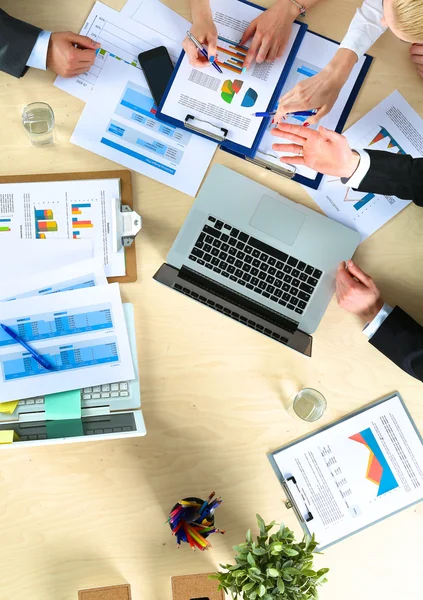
(63, 209)
(27, 256)
(357, 472)
(79, 275)
(123, 39)
(118, 122)
(314, 54)
(81, 333)
(152, 12)
(228, 100)
(392, 126)
(62, 406)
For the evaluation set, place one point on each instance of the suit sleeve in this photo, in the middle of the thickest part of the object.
(394, 175)
(400, 338)
(17, 40)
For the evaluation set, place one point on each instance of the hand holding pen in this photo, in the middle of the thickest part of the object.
(210, 57)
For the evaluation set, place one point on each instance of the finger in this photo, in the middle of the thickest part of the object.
(85, 56)
(248, 33)
(330, 135)
(343, 277)
(417, 59)
(297, 130)
(287, 136)
(359, 274)
(416, 49)
(294, 148)
(193, 56)
(212, 46)
(263, 51)
(83, 41)
(252, 52)
(292, 160)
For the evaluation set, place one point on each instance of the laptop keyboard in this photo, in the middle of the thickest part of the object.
(108, 390)
(255, 265)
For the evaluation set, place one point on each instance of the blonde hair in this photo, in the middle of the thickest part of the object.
(409, 18)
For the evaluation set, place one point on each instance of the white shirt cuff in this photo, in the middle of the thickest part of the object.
(371, 328)
(361, 171)
(38, 57)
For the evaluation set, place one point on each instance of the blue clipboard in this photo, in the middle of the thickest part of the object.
(237, 149)
(290, 500)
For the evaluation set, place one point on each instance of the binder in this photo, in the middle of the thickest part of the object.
(299, 498)
(218, 133)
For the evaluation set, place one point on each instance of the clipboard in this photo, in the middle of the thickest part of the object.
(126, 200)
(213, 131)
(298, 499)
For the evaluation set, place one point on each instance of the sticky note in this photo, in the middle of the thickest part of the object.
(8, 407)
(64, 405)
(64, 428)
(8, 436)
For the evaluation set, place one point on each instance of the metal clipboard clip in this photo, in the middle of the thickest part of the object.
(206, 128)
(126, 223)
(293, 502)
(262, 160)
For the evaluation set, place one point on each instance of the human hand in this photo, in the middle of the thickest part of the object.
(204, 30)
(416, 55)
(320, 91)
(323, 150)
(66, 60)
(357, 292)
(270, 32)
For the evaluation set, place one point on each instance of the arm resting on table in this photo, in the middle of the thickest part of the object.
(17, 40)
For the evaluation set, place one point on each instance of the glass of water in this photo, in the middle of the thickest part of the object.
(309, 405)
(38, 120)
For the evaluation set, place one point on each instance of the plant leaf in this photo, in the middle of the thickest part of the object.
(249, 537)
(281, 585)
(272, 572)
(290, 551)
(248, 586)
(250, 559)
(259, 551)
(261, 590)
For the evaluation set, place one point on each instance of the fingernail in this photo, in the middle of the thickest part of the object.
(350, 262)
(273, 120)
(211, 58)
(244, 70)
(306, 124)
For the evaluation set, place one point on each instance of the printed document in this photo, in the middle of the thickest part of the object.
(392, 126)
(81, 333)
(122, 39)
(357, 472)
(151, 12)
(78, 275)
(72, 210)
(119, 123)
(228, 100)
(314, 53)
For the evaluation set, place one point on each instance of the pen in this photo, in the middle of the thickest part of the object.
(299, 113)
(42, 361)
(201, 49)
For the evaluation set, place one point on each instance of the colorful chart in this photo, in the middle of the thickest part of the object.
(77, 224)
(4, 225)
(378, 470)
(384, 133)
(44, 223)
(231, 56)
(250, 98)
(103, 53)
(230, 88)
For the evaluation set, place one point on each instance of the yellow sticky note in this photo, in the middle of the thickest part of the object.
(8, 436)
(8, 407)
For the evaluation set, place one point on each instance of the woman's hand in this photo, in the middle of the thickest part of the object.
(416, 54)
(204, 30)
(270, 32)
(320, 91)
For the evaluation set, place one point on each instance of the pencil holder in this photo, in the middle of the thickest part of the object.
(192, 520)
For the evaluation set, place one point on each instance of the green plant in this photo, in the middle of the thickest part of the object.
(274, 567)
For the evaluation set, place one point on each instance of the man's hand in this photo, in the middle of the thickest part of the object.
(357, 292)
(66, 60)
(416, 54)
(270, 32)
(323, 150)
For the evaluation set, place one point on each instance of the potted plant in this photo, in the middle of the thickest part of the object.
(273, 567)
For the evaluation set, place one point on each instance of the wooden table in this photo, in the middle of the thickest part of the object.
(213, 392)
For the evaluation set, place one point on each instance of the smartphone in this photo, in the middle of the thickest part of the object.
(158, 68)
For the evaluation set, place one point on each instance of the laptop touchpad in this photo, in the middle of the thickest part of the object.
(278, 220)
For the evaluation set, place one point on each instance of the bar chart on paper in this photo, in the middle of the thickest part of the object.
(5, 225)
(80, 220)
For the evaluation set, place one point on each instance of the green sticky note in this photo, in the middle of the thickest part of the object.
(64, 405)
(64, 429)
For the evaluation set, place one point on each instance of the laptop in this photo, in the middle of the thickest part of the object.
(258, 258)
(112, 410)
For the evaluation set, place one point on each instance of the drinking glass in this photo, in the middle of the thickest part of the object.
(309, 405)
(38, 120)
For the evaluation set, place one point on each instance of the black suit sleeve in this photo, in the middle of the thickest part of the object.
(17, 40)
(400, 338)
(394, 175)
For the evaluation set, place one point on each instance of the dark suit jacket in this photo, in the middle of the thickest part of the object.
(394, 175)
(17, 40)
(400, 337)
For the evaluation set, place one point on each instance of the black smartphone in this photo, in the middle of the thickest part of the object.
(158, 68)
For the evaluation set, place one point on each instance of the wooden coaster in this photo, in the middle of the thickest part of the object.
(113, 592)
(195, 587)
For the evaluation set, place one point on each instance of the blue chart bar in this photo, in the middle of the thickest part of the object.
(306, 71)
(54, 325)
(139, 102)
(62, 358)
(363, 201)
(5, 220)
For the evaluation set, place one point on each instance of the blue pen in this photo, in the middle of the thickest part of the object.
(299, 113)
(42, 361)
(201, 49)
